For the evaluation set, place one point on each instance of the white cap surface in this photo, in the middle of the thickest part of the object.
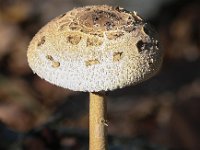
(95, 48)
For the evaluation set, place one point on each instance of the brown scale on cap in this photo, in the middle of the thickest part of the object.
(117, 56)
(74, 26)
(74, 39)
(49, 57)
(114, 35)
(148, 42)
(55, 64)
(91, 62)
(93, 41)
(42, 41)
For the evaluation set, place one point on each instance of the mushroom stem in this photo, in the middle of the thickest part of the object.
(97, 122)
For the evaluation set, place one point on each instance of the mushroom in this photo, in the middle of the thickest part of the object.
(95, 49)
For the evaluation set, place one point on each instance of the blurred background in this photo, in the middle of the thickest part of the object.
(162, 113)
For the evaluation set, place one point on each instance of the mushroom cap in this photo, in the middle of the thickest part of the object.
(95, 48)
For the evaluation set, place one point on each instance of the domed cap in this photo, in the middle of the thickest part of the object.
(95, 48)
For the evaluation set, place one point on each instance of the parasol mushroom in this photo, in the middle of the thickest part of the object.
(95, 49)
